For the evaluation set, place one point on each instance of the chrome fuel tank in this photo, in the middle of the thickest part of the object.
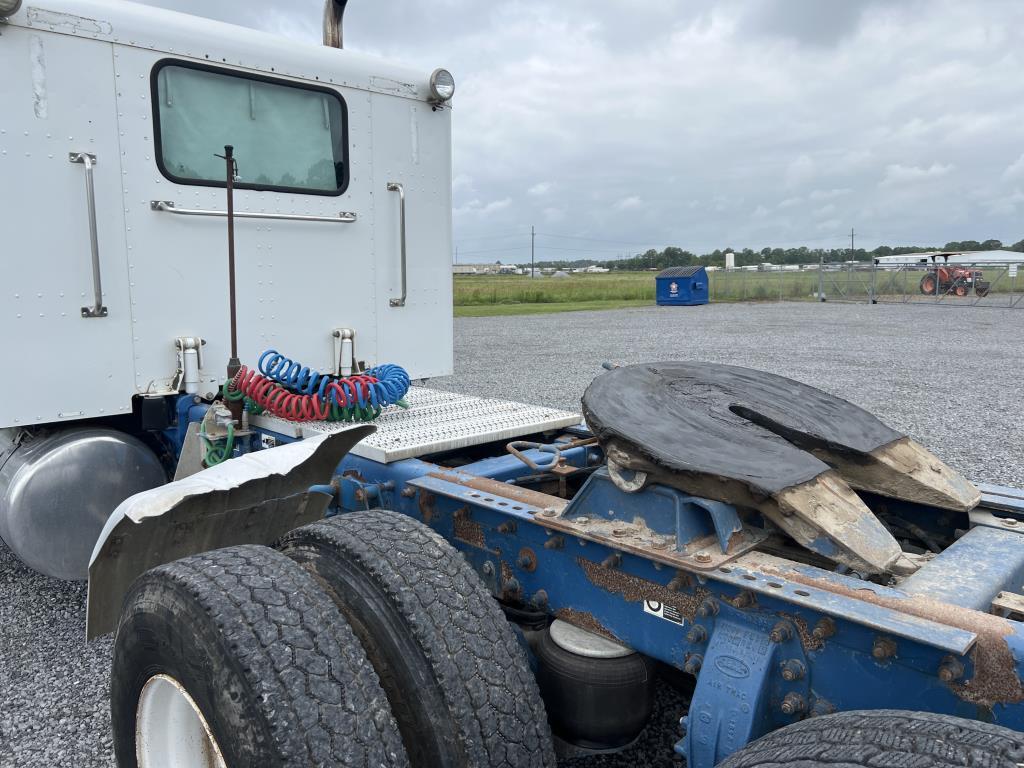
(57, 491)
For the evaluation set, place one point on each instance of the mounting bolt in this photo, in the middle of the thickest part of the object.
(679, 581)
(507, 527)
(512, 586)
(555, 542)
(821, 707)
(582, 520)
(793, 669)
(613, 560)
(780, 633)
(693, 664)
(884, 648)
(702, 557)
(408, 492)
(707, 609)
(619, 532)
(548, 512)
(744, 599)
(950, 669)
(541, 598)
(697, 634)
(824, 629)
(488, 568)
(793, 704)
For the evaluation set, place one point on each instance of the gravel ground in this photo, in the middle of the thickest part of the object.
(948, 377)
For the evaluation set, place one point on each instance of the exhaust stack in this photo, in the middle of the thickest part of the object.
(334, 10)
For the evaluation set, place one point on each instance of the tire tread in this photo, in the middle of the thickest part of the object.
(480, 668)
(884, 739)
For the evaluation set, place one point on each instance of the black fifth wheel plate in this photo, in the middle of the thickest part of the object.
(758, 440)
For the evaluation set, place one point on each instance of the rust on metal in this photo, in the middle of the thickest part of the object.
(995, 678)
(585, 620)
(527, 560)
(503, 490)
(636, 537)
(809, 640)
(634, 589)
(426, 506)
(467, 530)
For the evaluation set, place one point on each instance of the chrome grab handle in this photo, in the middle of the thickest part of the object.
(343, 217)
(394, 186)
(89, 160)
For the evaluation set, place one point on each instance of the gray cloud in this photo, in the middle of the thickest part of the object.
(705, 124)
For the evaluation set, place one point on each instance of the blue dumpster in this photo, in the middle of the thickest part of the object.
(681, 286)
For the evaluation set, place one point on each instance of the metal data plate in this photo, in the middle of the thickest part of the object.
(434, 421)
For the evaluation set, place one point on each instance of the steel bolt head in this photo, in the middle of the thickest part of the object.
(793, 704)
(702, 557)
(793, 669)
(780, 633)
(548, 512)
(883, 648)
(489, 568)
(950, 670)
(697, 634)
(707, 609)
(824, 629)
(693, 664)
(744, 599)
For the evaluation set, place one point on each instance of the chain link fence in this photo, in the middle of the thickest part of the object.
(980, 284)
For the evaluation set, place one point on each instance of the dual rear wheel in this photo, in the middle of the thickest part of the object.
(367, 640)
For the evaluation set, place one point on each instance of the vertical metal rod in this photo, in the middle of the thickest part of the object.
(533, 237)
(229, 162)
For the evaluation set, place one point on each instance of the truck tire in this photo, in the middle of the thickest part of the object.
(236, 658)
(883, 738)
(456, 676)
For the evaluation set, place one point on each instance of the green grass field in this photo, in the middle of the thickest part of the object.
(477, 296)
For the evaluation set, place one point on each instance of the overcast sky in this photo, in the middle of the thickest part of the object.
(709, 124)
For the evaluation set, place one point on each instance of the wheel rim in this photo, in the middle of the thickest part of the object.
(170, 730)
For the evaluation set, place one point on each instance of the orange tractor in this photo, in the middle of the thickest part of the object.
(957, 281)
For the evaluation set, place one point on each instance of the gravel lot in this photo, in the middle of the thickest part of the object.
(948, 377)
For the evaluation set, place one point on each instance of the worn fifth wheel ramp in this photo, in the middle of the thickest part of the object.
(755, 439)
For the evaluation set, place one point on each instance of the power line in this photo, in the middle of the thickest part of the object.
(490, 237)
(595, 239)
(581, 250)
(494, 250)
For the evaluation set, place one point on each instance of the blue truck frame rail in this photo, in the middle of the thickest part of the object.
(769, 640)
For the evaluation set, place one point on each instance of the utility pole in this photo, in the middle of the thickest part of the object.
(533, 236)
(456, 254)
(851, 244)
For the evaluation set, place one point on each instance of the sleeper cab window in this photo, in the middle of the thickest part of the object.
(286, 137)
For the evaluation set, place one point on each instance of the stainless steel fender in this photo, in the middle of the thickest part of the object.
(254, 499)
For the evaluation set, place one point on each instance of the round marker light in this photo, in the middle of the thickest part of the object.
(10, 7)
(442, 84)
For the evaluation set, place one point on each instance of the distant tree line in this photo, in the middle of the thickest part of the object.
(677, 257)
